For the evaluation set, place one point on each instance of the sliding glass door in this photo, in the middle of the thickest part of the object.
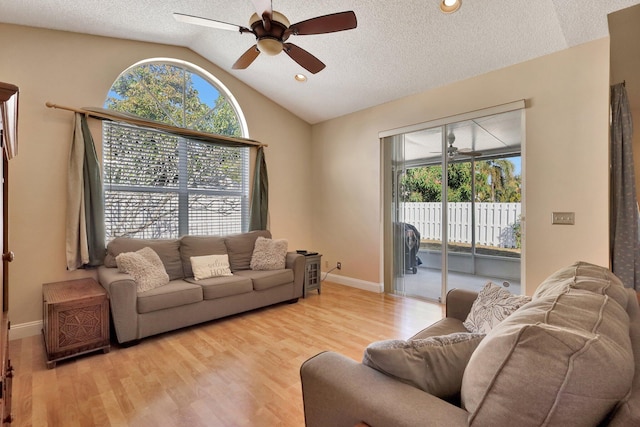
(460, 228)
(416, 226)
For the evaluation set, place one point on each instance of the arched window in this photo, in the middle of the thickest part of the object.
(160, 185)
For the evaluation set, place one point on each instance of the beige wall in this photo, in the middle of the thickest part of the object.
(564, 163)
(78, 70)
(334, 206)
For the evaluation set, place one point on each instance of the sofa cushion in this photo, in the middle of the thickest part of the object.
(583, 276)
(269, 254)
(220, 287)
(176, 293)
(191, 246)
(240, 248)
(207, 266)
(146, 268)
(628, 411)
(563, 360)
(167, 249)
(434, 364)
(493, 305)
(444, 326)
(267, 279)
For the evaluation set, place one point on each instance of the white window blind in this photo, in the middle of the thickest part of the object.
(159, 185)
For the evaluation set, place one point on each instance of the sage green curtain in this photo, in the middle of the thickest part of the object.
(85, 233)
(625, 246)
(259, 216)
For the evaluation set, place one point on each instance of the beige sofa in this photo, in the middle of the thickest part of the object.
(570, 357)
(185, 301)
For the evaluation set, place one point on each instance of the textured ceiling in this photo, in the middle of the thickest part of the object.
(398, 48)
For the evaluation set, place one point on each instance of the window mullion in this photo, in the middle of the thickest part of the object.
(183, 188)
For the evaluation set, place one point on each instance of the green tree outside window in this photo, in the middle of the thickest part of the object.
(162, 186)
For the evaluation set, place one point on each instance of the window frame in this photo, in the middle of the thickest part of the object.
(183, 190)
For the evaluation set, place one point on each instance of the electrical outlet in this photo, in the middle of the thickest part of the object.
(563, 218)
(339, 266)
(326, 264)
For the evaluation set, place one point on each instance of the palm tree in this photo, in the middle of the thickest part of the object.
(497, 175)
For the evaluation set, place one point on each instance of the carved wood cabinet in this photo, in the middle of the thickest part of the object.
(76, 319)
(8, 145)
(6, 372)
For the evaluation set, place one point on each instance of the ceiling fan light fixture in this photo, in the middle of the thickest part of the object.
(300, 78)
(450, 6)
(269, 46)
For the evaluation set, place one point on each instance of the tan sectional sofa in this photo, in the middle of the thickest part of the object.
(570, 357)
(185, 301)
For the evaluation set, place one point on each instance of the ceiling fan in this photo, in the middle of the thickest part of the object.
(453, 151)
(272, 29)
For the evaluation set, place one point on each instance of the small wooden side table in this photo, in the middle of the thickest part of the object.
(312, 272)
(76, 319)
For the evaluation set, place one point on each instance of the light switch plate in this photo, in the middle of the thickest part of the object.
(563, 218)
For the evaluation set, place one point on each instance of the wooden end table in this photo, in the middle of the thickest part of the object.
(312, 273)
(76, 319)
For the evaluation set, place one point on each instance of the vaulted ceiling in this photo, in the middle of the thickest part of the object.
(398, 48)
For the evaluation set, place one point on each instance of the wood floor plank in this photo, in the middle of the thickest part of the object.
(239, 371)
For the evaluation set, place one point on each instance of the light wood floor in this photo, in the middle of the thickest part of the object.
(238, 371)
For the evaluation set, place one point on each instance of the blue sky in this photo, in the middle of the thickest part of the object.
(517, 162)
(208, 93)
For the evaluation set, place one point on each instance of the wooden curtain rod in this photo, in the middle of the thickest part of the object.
(161, 126)
(62, 107)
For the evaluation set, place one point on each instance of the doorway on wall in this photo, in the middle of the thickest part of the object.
(453, 197)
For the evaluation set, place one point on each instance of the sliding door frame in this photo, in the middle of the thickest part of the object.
(388, 181)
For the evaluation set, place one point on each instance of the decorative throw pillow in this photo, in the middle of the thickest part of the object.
(269, 254)
(210, 266)
(493, 305)
(146, 268)
(434, 364)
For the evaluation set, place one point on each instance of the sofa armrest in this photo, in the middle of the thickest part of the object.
(123, 299)
(297, 263)
(338, 391)
(459, 302)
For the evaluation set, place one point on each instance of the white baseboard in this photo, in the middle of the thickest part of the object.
(356, 283)
(24, 330)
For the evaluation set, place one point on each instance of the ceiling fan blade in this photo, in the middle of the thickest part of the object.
(247, 58)
(189, 19)
(262, 7)
(304, 58)
(469, 152)
(325, 24)
(264, 11)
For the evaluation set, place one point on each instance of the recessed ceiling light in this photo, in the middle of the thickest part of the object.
(300, 77)
(450, 6)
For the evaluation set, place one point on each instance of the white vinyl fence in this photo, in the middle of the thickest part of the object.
(496, 223)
